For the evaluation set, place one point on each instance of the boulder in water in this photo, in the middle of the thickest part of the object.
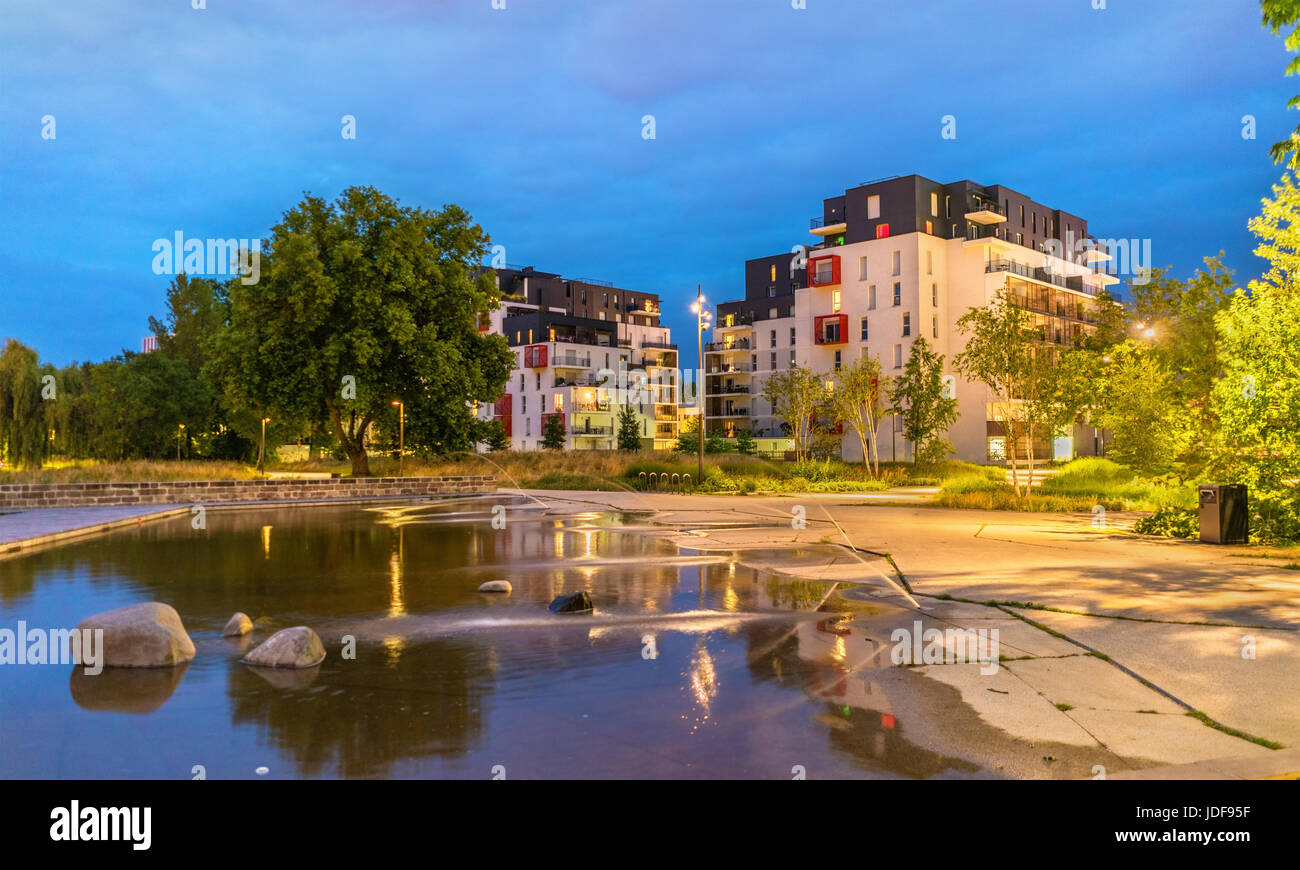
(496, 586)
(148, 635)
(297, 647)
(574, 602)
(238, 626)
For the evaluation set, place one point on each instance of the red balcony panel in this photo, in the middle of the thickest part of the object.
(504, 406)
(535, 356)
(831, 329)
(824, 271)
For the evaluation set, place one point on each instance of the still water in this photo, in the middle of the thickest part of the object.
(693, 665)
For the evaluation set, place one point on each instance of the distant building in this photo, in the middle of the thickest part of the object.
(149, 344)
(584, 349)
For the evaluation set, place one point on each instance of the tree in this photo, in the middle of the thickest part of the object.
(553, 431)
(921, 401)
(796, 395)
(363, 302)
(1277, 15)
(1257, 397)
(745, 444)
(629, 429)
(688, 436)
(1137, 402)
(1005, 353)
(858, 398)
(23, 435)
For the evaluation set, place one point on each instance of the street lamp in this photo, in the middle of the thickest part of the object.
(180, 433)
(702, 322)
(401, 437)
(261, 447)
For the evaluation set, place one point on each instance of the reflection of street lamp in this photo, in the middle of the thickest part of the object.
(261, 447)
(401, 436)
(702, 322)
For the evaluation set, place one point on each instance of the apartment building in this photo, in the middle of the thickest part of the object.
(893, 260)
(584, 349)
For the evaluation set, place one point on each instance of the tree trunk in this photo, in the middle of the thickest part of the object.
(354, 445)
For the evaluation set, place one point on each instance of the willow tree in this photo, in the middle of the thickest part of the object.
(23, 435)
(362, 303)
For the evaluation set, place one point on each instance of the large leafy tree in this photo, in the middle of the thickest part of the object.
(363, 302)
(918, 398)
(1137, 401)
(859, 399)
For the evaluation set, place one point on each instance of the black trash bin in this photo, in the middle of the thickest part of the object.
(1224, 515)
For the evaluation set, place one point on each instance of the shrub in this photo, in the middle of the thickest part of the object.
(1170, 522)
(969, 482)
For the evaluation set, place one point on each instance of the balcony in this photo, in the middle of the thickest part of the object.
(728, 413)
(724, 346)
(824, 270)
(590, 407)
(729, 390)
(831, 329)
(663, 345)
(985, 212)
(648, 311)
(733, 321)
(592, 432)
(827, 226)
(535, 356)
(727, 368)
(571, 361)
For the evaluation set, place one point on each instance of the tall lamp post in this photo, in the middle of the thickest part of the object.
(702, 322)
(261, 447)
(401, 436)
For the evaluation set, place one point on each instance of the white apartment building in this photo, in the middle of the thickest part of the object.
(900, 259)
(585, 367)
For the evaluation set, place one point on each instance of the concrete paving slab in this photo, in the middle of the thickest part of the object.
(1163, 738)
(1086, 681)
(1203, 666)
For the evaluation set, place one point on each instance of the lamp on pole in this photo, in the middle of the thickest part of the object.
(261, 447)
(180, 433)
(702, 322)
(401, 436)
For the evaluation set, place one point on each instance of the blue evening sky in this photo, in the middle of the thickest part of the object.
(214, 121)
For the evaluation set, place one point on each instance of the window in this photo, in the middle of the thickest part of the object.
(1020, 238)
(934, 204)
(773, 361)
(835, 302)
(871, 297)
(947, 207)
(771, 314)
(539, 380)
(929, 262)
(934, 295)
(773, 278)
(862, 325)
(898, 263)
(837, 360)
(521, 383)
(898, 356)
(792, 335)
(907, 324)
(602, 315)
(862, 268)
(559, 401)
(523, 404)
(1034, 215)
(1022, 216)
(934, 326)
(568, 290)
(929, 228)
(771, 291)
(882, 231)
(792, 358)
(873, 207)
(528, 426)
(753, 361)
(604, 299)
(584, 297)
(772, 338)
(898, 294)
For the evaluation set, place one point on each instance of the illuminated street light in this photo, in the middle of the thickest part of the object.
(261, 447)
(401, 436)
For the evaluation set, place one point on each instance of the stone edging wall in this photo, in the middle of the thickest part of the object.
(44, 495)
